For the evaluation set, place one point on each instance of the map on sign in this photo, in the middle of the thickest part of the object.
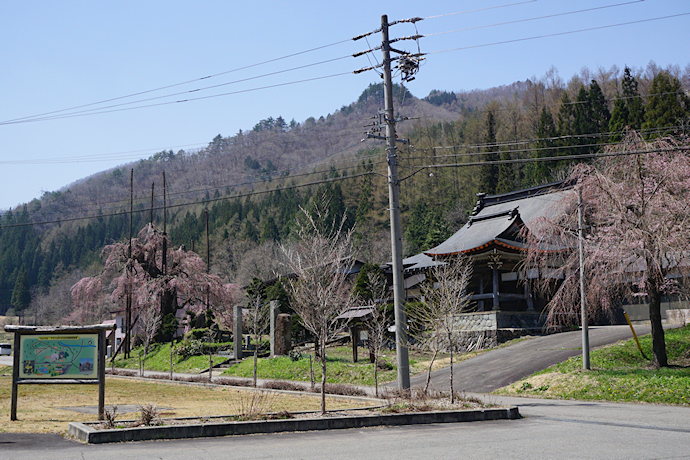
(59, 356)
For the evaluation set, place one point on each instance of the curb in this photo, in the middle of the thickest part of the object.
(86, 433)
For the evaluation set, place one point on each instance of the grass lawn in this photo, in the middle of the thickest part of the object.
(618, 373)
(40, 408)
(340, 369)
(158, 359)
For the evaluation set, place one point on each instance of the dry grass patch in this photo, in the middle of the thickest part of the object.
(40, 408)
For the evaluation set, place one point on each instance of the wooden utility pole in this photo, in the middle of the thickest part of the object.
(165, 234)
(152, 185)
(208, 261)
(128, 308)
(396, 232)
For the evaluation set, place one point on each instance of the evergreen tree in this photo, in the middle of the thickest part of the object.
(539, 172)
(599, 112)
(269, 231)
(21, 295)
(668, 105)
(620, 117)
(488, 180)
(566, 123)
(633, 101)
(582, 121)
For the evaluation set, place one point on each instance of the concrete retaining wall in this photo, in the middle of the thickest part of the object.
(489, 328)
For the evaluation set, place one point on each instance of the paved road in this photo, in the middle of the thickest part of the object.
(502, 366)
(549, 429)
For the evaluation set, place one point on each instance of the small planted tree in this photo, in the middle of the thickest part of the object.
(257, 318)
(371, 287)
(435, 320)
(149, 322)
(320, 262)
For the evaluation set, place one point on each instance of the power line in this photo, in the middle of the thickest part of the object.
(517, 21)
(182, 101)
(544, 159)
(420, 168)
(556, 34)
(143, 200)
(480, 9)
(177, 84)
(417, 19)
(533, 140)
(195, 90)
(130, 154)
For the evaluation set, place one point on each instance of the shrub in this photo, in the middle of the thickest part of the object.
(150, 414)
(295, 355)
(188, 348)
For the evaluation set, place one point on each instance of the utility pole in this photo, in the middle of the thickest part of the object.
(583, 304)
(128, 308)
(396, 233)
(165, 229)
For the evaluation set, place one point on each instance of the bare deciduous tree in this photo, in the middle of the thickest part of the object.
(435, 320)
(374, 290)
(636, 206)
(149, 322)
(320, 263)
(257, 319)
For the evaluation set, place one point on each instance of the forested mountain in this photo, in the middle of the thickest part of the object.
(252, 183)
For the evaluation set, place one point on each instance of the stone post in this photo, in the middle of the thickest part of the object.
(237, 331)
(274, 311)
(283, 340)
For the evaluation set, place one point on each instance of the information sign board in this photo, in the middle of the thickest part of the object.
(73, 356)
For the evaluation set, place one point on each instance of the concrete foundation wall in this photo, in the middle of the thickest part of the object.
(640, 312)
(487, 329)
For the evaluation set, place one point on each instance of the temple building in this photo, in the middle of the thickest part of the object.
(504, 305)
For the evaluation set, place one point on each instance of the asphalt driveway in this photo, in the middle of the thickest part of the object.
(502, 366)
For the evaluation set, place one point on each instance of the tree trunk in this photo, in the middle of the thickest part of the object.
(428, 373)
(256, 360)
(323, 375)
(659, 358)
(168, 302)
(376, 374)
(452, 393)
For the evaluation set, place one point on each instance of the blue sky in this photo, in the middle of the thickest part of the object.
(59, 55)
